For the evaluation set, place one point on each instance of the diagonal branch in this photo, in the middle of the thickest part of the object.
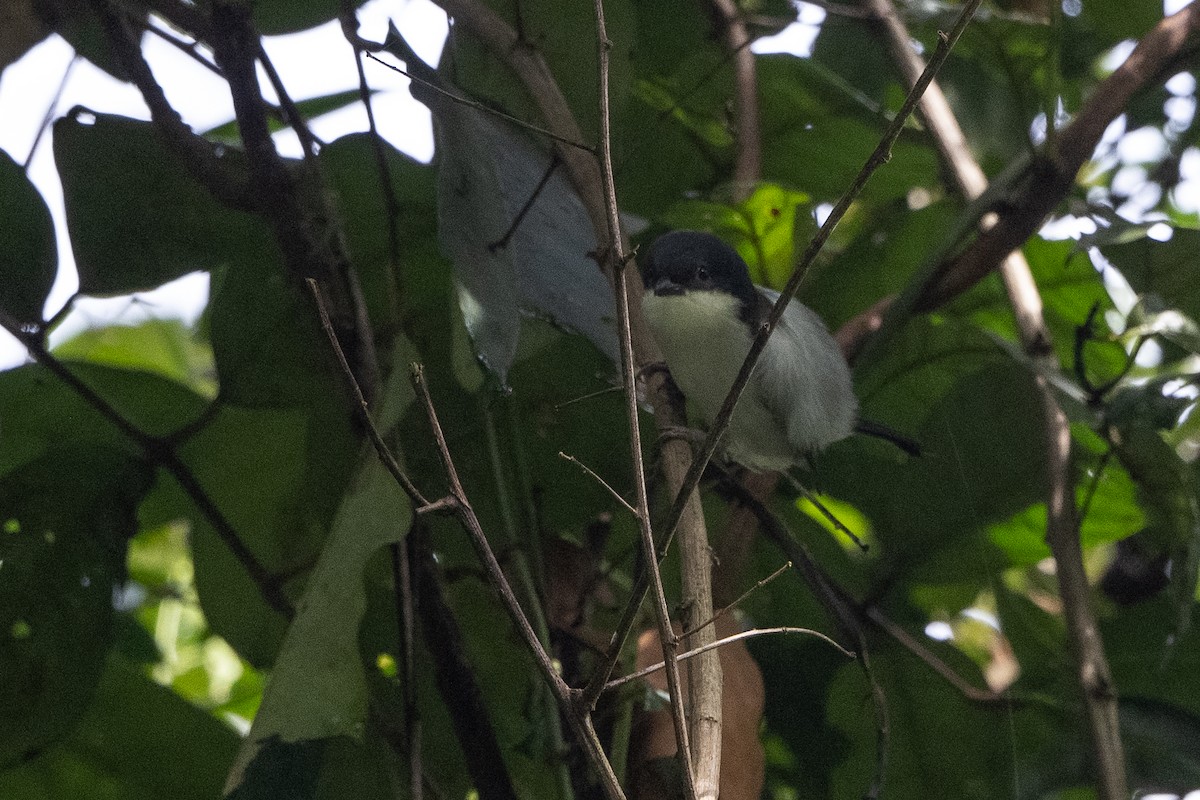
(1062, 533)
(159, 452)
(458, 504)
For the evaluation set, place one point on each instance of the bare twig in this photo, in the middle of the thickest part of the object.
(460, 506)
(51, 110)
(737, 637)
(475, 104)
(362, 408)
(614, 254)
(726, 609)
(592, 474)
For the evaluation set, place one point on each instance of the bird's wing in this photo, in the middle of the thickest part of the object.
(805, 380)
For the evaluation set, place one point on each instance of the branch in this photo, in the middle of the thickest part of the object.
(747, 167)
(1083, 635)
(453, 674)
(458, 504)
(737, 637)
(1062, 532)
(292, 197)
(228, 185)
(402, 591)
(697, 580)
(160, 453)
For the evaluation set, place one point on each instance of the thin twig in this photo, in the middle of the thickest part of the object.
(914, 646)
(475, 104)
(291, 114)
(349, 20)
(741, 599)
(189, 49)
(830, 517)
(51, 111)
(362, 408)
(465, 513)
(592, 474)
(503, 241)
(613, 250)
(737, 637)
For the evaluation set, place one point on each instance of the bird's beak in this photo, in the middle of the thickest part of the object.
(665, 287)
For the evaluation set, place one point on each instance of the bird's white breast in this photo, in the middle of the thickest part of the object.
(798, 401)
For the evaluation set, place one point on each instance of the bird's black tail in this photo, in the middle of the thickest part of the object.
(908, 445)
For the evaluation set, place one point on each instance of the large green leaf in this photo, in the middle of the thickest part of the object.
(28, 258)
(132, 730)
(66, 518)
(165, 225)
(40, 412)
(317, 689)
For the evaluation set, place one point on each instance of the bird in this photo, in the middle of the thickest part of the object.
(704, 311)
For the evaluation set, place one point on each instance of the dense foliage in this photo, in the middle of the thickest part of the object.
(198, 538)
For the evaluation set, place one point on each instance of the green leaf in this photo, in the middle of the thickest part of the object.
(40, 412)
(164, 347)
(66, 518)
(165, 223)
(28, 258)
(309, 109)
(277, 17)
(317, 689)
(132, 728)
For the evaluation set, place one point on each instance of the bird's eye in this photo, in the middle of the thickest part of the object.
(701, 274)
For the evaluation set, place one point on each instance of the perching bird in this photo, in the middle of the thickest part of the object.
(704, 313)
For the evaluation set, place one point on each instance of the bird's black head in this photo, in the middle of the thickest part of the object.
(683, 261)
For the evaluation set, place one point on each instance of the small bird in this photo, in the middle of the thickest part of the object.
(704, 312)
